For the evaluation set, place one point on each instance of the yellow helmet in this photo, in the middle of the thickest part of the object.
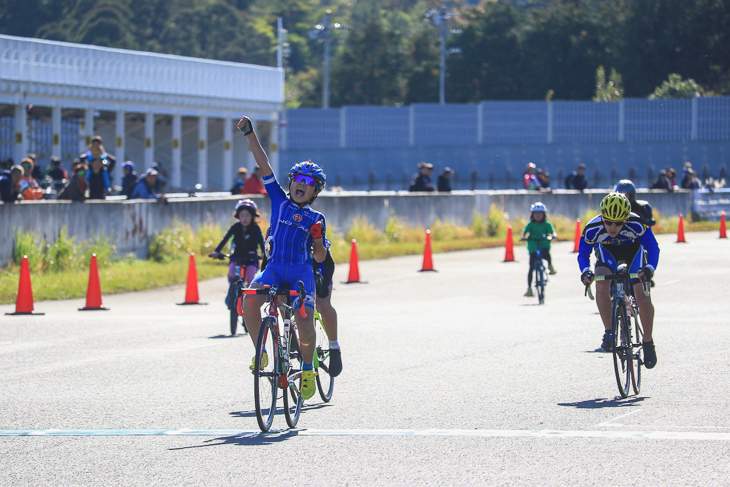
(615, 207)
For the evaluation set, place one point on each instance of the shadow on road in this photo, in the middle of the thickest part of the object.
(252, 439)
(616, 402)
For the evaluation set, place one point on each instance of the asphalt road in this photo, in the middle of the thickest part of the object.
(450, 378)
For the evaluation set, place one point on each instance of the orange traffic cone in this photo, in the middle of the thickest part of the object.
(509, 254)
(354, 275)
(427, 257)
(680, 230)
(24, 301)
(576, 242)
(93, 292)
(191, 292)
(723, 230)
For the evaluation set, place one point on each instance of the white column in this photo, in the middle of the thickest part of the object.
(86, 130)
(21, 133)
(203, 151)
(250, 160)
(56, 129)
(119, 143)
(149, 139)
(227, 151)
(274, 147)
(176, 175)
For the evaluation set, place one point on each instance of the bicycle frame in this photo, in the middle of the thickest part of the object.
(624, 311)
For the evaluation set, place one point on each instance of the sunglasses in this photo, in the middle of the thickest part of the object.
(614, 224)
(308, 180)
(81, 173)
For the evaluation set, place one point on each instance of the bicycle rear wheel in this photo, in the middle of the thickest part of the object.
(265, 375)
(292, 393)
(638, 358)
(622, 350)
(325, 382)
(540, 281)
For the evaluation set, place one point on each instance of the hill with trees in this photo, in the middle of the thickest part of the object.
(388, 54)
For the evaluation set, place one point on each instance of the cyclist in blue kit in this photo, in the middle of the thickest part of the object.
(296, 235)
(617, 235)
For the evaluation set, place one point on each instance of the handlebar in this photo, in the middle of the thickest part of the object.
(276, 291)
(614, 277)
(544, 237)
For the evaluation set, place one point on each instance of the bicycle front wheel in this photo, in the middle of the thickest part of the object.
(540, 281)
(265, 374)
(292, 394)
(638, 357)
(325, 382)
(622, 349)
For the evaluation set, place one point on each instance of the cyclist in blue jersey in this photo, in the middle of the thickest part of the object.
(617, 235)
(296, 236)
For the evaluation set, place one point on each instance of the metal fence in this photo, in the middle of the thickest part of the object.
(508, 123)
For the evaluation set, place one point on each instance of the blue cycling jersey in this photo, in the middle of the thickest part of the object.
(289, 238)
(634, 231)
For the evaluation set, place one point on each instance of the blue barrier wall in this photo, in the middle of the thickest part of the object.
(488, 144)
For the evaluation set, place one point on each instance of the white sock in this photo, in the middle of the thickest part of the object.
(334, 345)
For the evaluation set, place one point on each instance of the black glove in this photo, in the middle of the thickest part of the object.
(323, 289)
(586, 275)
(648, 273)
(246, 129)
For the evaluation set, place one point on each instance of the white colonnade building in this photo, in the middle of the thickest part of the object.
(147, 107)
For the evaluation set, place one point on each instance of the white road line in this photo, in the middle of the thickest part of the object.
(610, 422)
(673, 281)
(638, 435)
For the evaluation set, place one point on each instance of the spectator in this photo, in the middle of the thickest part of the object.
(56, 174)
(444, 181)
(97, 177)
(33, 191)
(672, 177)
(690, 180)
(96, 149)
(529, 178)
(577, 179)
(12, 184)
(422, 180)
(146, 187)
(255, 183)
(75, 189)
(662, 182)
(37, 170)
(130, 179)
(161, 176)
(543, 178)
(240, 180)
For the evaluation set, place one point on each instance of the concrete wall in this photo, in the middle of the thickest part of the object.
(132, 223)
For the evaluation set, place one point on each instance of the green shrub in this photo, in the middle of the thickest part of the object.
(496, 221)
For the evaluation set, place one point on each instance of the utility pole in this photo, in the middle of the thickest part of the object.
(322, 32)
(440, 18)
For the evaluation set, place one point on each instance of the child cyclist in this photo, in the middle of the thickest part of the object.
(297, 235)
(617, 235)
(535, 233)
(247, 241)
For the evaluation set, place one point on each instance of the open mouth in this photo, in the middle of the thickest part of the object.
(300, 192)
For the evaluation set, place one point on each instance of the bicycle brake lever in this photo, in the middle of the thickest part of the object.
(589, 293)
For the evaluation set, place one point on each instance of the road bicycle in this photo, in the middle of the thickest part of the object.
(540, 275)
(626, 331)
(235, 319)
(278, 361)
(325, 382)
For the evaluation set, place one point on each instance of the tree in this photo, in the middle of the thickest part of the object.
(676, 87)
(608, 90)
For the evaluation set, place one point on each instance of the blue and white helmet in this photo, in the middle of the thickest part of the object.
(308, 168)
(538, 206)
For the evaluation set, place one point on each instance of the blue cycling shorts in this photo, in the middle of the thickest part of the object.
(289, 275)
